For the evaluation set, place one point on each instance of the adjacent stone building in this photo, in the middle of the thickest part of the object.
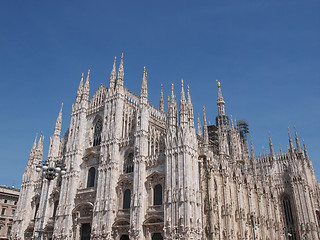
(8, 204)
(134, 171)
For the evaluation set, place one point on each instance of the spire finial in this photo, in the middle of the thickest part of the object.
(220, 100)
(161, 99)
(144, 85)
(199, 126)
(290, 140)
(252, 148)
(218, 83)
(172, 93)
(113, 75)
(80, 89)
(183, 98)
(120, 78)
(35, 142)
(57, 128)
(305, 150)
(205, 128)
(297, 140)
(272, 155)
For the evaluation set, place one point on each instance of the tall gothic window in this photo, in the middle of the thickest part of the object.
(55, 206)
(91, 177)
(97, 133)
(288, 218)
(128, 164)
(157, 195)
(126, 199)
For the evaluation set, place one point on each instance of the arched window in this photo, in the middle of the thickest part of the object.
(55, 206)
(288, 218)
(157, 195)
(97, 133)
(126, 199)
(157, 236)
(91, 177)
(128, 164)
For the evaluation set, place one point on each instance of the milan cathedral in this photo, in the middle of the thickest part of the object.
(126, 169)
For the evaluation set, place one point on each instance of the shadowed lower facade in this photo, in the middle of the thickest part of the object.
(135, 171)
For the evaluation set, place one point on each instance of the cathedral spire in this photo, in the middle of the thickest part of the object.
(188, 95)
(205, 127)
(272, 155)
(161, 99)
(252, 149)
(199, 126)
(86, 88)
(172, 109)
(120, 78)
(57, 129)
(290, 140)
(113, 75)
(40, 143)
(144, 85)
(297, 140)
(80, 90)
(182, 94)
(35, 142)
(220, 100)
(305, 151)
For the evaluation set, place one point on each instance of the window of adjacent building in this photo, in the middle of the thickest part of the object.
(126, 199)
(3, 211)
(15, 203)
(157, 195)
(97, 133)
(128, 164)
(55, 206)
(13, 211)
(5, 201)
(91, 177)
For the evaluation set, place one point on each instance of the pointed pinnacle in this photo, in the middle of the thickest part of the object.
(161, 99)
(297, 139)
(252, 148)
(172, 93)
(290, 139)
(35, 142)
(183, 97)
(305, 150)
(188, 95)
(199, 126)
(204, 116)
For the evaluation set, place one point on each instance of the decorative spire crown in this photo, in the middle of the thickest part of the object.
(161, 99)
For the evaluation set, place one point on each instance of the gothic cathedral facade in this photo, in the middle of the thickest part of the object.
(134, 171)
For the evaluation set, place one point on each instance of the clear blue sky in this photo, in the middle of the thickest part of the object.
(265, 53)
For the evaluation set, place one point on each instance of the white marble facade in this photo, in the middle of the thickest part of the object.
(134, 171)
